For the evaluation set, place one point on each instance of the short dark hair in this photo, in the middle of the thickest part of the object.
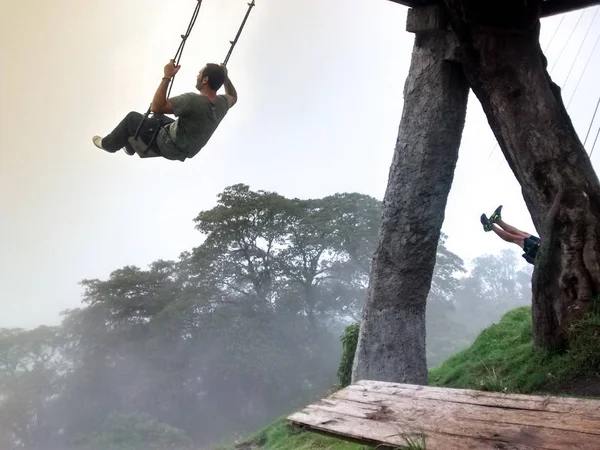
(215, 74)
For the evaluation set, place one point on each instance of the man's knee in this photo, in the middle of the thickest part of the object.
(133, 120)
(134, 116)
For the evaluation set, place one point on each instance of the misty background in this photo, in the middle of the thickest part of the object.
(170, 329)
(237, 331)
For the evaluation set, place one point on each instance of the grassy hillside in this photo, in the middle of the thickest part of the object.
(502, 358)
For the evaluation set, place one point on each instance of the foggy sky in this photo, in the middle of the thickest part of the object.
(320, 98)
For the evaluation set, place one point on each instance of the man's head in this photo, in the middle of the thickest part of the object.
(212, 76)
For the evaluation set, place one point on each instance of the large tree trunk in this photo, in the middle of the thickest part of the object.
(391, 344)
(503, 61)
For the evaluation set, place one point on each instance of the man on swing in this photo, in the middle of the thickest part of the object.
(198, 116)
(528, 242)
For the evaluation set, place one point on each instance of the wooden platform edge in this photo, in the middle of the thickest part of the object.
(454, 424)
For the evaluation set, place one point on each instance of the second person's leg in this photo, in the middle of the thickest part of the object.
(509, 237)
(512, 230)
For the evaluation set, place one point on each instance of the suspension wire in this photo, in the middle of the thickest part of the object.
(581, 46)
(592, 122)
(584, 70)
(567, 41)
(593, 146)
(561, 53)
(579, 81)
(555, 32)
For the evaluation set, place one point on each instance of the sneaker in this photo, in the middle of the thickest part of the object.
(487, 225)
(97, 140)
(495, 217)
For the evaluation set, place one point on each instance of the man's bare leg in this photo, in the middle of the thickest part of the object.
(511, 230)
(510, 237)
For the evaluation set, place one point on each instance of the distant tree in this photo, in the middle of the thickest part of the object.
(240, 329)
(31, 368)
(445, 335)
(496, 284)
(311, 255)
(131, 432)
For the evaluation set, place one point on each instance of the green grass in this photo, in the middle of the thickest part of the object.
(502, 358)
(281, 436)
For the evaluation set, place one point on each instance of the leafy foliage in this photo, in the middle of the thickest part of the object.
(30, 373)
(349, 342)
(240, 328)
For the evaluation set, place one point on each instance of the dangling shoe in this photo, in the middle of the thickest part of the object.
(97, 140)
(487, 225)
(496, 215)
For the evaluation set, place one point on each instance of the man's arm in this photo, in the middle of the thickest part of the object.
(230, 91)
(160, 103)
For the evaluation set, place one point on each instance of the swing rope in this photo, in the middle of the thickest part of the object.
(184, 38)
(177, 57)
(237, 36)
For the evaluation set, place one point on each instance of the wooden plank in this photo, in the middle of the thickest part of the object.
(472, 421)
(469, 423)
(540, 418)
(375, 433)
(377, 413)
(470, 396)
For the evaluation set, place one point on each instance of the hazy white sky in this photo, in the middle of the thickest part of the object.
(320, 87)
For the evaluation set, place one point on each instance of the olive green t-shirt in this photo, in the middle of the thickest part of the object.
(197, 120)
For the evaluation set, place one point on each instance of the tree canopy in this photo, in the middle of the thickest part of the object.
(239, 330)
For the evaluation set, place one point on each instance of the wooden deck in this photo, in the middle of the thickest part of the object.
(377, 413)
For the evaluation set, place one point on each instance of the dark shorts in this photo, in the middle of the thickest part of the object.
(530, 247)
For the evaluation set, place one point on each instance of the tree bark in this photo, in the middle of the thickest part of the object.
(505, 66)
(391, 344)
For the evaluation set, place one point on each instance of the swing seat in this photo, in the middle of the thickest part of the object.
(140, 146)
